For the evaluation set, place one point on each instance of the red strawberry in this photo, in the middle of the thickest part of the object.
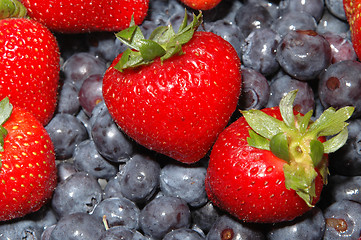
(29, 66)
(178, 103)
(201, 4)
(74, 16)
(270, 165)
(353, 11)
(28, 171)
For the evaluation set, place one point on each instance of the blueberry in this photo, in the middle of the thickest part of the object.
(118, 212)
(304, 54)
(228, 228)
(90, 93)
(343, 188)
(112, 188)
(304, 101)
(104, 45)
(109, 140)
(87, 159)
(68, 101)
(343, 220)
(20, 229)
(313, 7)
(255, 90)
(252, 16)
(310, 226)
(78, 193)
(341, 47)
(347, 159)
(122, 233)
(330, 23)
(164, 214)
(79, 226)
(183, 234)
(65, 131)
(139, 178)
(81, 65)
(65, 169)
(205, 216)
(184, 181)
(340, 86)
(259, 51)
(336, 8)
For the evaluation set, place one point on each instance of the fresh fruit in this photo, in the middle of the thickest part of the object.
(29, 66)
(201, 4)
(170, 98)
(71, 16)
(352, 10)
(27, 172)
(270, 164)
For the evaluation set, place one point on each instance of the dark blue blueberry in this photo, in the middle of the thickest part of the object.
(122, 233)
(90, 93)
(347, 160)
(87, 159)
(139, 178)
(304, 101)
(341, 47)
(343, 188)
(310, 226)
(104, 45)
(47, 232)
(81, 65)
(259, 51)
(252, 16)
(205, 216)
(20, 229)
(44, 218)
(118, 212)
(164, 214)
(255, 90)
(330, 23)
(228, 228)
(340, 85)
(313, 7)
(183, 234)
(68, 101)
(113, 187)
(336, 8)
(78, 226)
(184, 181)
(65, 169)
(271, 5)
(109, 140)
(304, 54)
(343, 220)
(78, 193)
(85, 119)
(291, 21)
(66, 131)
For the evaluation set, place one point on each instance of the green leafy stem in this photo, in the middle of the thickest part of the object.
(163, 42)
(5, 111)
(12, 9)
(295, 140)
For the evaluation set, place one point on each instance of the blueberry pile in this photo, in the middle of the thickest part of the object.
(112, 188)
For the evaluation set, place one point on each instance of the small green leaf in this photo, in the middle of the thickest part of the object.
(150, 49)
(3, 133)
(131, 36)
(262, 123)
(184, 22)
(5, 110)
(303, 121)
(317, 151)
(286, 108)
(162, 34)
(336, 142)
(12, 9)
(279, 146)
(257, 141)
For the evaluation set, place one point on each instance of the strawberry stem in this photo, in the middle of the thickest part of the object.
(5, 112)
(12, 9)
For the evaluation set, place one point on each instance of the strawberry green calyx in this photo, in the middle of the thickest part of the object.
(5, 112)
(295, 139)
(11, 9)
(163, 42)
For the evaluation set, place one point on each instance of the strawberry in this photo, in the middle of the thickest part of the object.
(170, 98)
(201, 4)
(353, 11)
(29, 66)
(270, 165)
(28, 171)
(76, 16)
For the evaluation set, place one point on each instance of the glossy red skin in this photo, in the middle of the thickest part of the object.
(177, 108)
(201, 4)
(76, 16)
(353, 11)
(29, 66)
(28, 171)
(249, 183)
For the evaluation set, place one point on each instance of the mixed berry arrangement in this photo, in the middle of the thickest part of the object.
(180, 119)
